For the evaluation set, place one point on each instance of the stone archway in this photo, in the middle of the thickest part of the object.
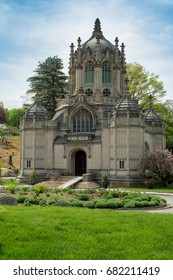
(80, 163)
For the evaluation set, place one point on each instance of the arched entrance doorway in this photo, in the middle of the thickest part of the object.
(80, 163)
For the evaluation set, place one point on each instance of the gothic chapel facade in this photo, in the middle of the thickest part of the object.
(97, 128)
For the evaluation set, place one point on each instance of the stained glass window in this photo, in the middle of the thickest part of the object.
(82, 121)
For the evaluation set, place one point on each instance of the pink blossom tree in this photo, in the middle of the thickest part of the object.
(158, 164)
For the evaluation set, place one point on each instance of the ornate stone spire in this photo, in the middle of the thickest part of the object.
(97, 28)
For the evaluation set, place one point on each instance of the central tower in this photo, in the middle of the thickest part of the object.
(97, 66)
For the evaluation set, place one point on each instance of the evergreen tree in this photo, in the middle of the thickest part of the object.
(48, 83)
(2, 113)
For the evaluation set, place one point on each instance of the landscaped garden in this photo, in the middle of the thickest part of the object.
(88, 227)
(90, 198)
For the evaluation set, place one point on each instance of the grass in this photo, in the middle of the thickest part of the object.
(13, 147)
(59, 233)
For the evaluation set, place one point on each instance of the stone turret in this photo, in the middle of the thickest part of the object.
(97, 64)
(152, 118)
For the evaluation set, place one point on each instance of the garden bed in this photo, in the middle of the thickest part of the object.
(90, 198)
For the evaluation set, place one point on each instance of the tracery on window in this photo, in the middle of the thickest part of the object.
(89, 73)
(106, 73)
(106, 92)
(89, 92)
(82, 121)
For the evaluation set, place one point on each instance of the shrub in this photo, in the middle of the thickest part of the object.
(111, 194)
(154, 203)
(105, 181)
(77, 203)
(21, 199)
(40, 189)
(90, 204)
(42, 202)
(32, 178)
(111, 203)
(57, 190)
(11, 188)
(102, 203)
(23, 193)
(143, 203)
(26, 203)
(52, 201)
(33, 200)
(130, 204)
(91, 191)
(83, 197)
(115, 194)
(114, 203)
(121, 194)
(68, 190)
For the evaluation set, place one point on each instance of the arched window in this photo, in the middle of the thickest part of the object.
(89, 92)
(89, 73)
(106, 92)
(82, 121)
(106, 73)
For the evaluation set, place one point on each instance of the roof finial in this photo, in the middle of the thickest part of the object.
(97, 27)
(116, 41)
(151, 102)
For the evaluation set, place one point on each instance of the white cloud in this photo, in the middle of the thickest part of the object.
(35, 36)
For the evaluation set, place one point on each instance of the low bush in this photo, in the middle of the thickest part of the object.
(68, 190)
(22, 193)
(115, 203)
(102, 203)
(77, 203)
(27, 203)
(83, 197)
(52, 201)
(33, 200)
(21, 199)
(144, 203)
(154, 203)
(90, 204)
(112, 203)
(40, 189)
(11, 188)
(130, 204)
(115, 194)
(42, 202)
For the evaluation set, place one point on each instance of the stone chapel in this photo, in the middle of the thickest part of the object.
(97, 128)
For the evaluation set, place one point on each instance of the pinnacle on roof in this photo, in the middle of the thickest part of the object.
(97, 27)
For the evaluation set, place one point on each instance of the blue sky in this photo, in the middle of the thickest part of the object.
(31, 30)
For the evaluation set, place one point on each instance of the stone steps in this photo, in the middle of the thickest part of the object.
(70, 182)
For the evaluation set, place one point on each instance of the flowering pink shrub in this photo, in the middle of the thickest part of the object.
(158, 164)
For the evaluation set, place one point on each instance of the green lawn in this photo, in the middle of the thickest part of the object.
(62, 233)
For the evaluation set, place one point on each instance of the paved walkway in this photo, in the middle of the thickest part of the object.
(169, 199)
(168, 208)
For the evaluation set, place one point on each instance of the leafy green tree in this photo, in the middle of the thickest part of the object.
(158, 164)
(48, 83)
(168, 116)
(14, 116)
(142, 83)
